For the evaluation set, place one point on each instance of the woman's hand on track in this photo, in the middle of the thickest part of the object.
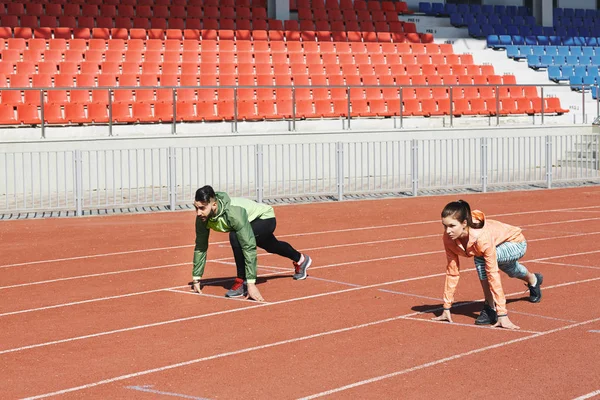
(196, 287)
(254, 293)
(446, 316)
(504, 322)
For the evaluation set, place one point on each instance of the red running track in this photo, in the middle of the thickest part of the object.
(99, 307)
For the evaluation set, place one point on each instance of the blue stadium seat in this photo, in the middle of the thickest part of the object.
(437, 8)
(554, 73)
(524, 51)
(559, 60)
(530, 20)
(425, 8)
(568, 12)
(518, 40)
(512, 51)
(572, 60)
(586, 51)
(580, 40)
(475, 30)
(456, 19)
(450, 8)
(481, 19)
(534, 62)
(585, 60)
(560, 31)
(592, 41)
(511, 10)
(505, 40)
(487, 30)
(575, 81)
(500, 30)
(531, 40)
(518, 20)
(537, 30)
(551, 50)
(565, 72)
(563, 51)
(546, 61)
(538, 50)
(590, 13)
(543, 40)
(475, 9)
(576, 22)
(522, 11)
(596, 60)
(588, 82)
(548, 30)
(580, 13)
(494, 19)
(512, 30)
(487, 9)
(580, 70)
(506, 20)
(593, 71)
(499, 9)
(469, 19)
(464, 9)
(524, 30)
(493, 41)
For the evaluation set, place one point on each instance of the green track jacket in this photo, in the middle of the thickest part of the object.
(233, 214)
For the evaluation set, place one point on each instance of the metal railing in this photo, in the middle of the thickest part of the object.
(99, 179)
(495, 113)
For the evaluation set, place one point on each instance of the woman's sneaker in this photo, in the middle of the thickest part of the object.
(535, 292)
(300, 269)
(238, 289)
(488, 316)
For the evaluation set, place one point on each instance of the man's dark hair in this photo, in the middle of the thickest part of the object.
(205, 194)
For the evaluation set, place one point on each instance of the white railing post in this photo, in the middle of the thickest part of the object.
(549, 161)
(172, 177)
(414, 166)
(259, 174)
(78, 161)
(484, 166)
(339, 169)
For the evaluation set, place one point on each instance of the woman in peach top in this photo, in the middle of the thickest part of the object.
(494, 245)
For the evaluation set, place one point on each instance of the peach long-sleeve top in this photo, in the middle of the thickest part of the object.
(482, 243)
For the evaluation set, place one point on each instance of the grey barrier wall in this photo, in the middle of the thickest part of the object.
(167, 176)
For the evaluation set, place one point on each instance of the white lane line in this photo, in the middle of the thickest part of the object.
(291, 235)
(468, 325)
(214, 296)
(447, 359)
(542, 316)
(566, 264)
(148, 389)
(589, 395)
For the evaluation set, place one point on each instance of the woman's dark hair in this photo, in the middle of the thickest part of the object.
(461, 211)
(205, 194)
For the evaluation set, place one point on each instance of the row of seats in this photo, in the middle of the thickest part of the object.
(214, 34)
(538, 62)
(346, 15)
(198, 3)
(575, 12)
(484, 30)
(230, 46)
(502, 41)
(576, 21)
(372, 5)
(520, 52)
(269, 109)
(444, 9)
(133, 94)
(565, 72)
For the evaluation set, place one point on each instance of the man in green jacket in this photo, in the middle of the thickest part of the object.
(249, 224)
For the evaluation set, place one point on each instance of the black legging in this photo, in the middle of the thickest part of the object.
(265, 239)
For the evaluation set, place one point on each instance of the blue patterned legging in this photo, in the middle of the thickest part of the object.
(508, 255)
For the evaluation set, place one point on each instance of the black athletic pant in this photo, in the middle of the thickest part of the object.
(265, 239)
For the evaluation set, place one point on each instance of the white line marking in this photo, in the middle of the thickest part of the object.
(467, 325)
(542, 316)
(594, 331)
(566, 264)
(303, 338)
(446, 359)
(147, 389)
(88, 301)
(92, 275)
(289, 235)
(565, 255)
(589, 395)
(212, 295)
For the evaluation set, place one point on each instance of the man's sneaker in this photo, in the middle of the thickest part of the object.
(488, 316)
(238, 289)
(535, 292)
(300, 269)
